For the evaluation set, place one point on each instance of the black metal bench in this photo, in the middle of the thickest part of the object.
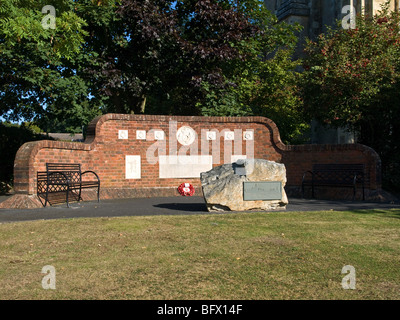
(334, 175)
(65, 178)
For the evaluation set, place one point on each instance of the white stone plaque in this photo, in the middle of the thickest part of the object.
(211, 135)
(123, 134)
(184, 166)
(159, 135)
(229, 135)
(186, 135)
(132, 167)
(248, 135)
(141, 134)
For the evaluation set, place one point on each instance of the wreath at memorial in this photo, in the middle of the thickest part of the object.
(186, 189)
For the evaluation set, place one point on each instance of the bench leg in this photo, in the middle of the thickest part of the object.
(47, 196)
(98, 194)
(80, 194)
(67, 197)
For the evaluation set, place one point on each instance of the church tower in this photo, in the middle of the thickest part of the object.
(315, 15)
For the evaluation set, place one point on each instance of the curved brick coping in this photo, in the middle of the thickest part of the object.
(25, 158)
(95, 124)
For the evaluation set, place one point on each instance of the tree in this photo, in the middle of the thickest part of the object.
(265, 82)
(171, 46)
(39, 65)
(187, 57)
(12, 136)
(352, 80)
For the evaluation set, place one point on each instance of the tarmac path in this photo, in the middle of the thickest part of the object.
(165, 206)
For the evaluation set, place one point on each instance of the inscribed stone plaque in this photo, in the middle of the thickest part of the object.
(184, 166)
(141, 134)
(132, 167)
(123, 134)
(266, 190)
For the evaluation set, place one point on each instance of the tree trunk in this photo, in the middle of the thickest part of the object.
(143, 104)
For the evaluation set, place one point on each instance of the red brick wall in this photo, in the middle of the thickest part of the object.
(104, 153)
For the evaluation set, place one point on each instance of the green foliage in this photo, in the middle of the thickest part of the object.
(43, 73)
(211, 57)
(21, 20)
(352, 79)
(12, 136)
(265, 82)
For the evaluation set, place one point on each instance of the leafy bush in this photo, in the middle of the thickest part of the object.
(12, 137)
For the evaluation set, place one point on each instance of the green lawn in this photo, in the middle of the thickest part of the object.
(281, 255)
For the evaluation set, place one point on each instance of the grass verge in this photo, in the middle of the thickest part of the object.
(281, 255)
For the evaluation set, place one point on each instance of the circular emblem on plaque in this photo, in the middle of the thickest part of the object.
(186, 135)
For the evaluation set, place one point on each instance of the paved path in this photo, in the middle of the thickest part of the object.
(163, 206)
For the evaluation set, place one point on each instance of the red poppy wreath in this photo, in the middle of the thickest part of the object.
(186, 189)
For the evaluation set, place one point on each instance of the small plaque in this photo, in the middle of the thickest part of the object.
(123, 134)
(229, 135)
(265, 190)
(141, 134)
(159, 135)
(211, 135)
(248, 135)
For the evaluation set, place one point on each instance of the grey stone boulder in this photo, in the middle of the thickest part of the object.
(223, 185)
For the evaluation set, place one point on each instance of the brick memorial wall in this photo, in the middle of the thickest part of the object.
(149, 155)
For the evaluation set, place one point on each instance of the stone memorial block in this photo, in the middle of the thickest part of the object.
(248, 184)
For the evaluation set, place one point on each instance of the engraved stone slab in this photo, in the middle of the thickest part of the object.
(132, 167)
(229, 135)
(141, 134)
(183, 166)
(248, 135)
(159, 135)
(123, 134)
(211, 135)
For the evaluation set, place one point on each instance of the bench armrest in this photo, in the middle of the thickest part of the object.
(89, 171)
